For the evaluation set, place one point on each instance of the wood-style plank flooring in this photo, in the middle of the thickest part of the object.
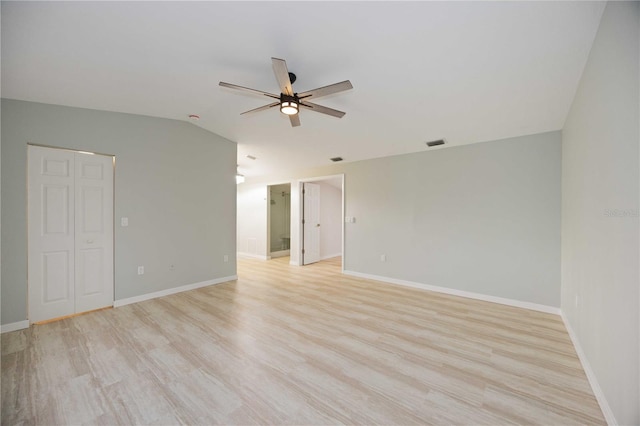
(297, 345)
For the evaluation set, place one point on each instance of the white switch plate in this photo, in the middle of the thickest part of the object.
(226, 257)
(383, 258)
(124, 221)
(140, 270)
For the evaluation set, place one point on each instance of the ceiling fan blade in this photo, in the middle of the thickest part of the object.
(246, 89)
(295, 120)
(262, 108)
(327, 90)
(282, 75)
(319, 108)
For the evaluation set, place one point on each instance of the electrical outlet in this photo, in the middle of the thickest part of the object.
(140, 270)
(383, 258)
(226, 257)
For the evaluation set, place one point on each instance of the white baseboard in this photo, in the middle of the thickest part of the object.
(461, 293)
(281, 253)
(294, 263)
(14, 326)
(169, 291)
(595, 386)
(252, 256)
(329, 256)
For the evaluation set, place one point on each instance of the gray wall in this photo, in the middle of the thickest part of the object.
(174, 181)
(481, 218)
(600, 217)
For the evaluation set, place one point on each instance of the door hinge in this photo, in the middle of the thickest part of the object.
(303, 192)
(302, 251)
(303, 221)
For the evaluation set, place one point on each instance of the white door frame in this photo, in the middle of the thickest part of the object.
(113, 165)
(298, 223)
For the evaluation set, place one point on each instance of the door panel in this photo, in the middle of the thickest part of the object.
(94, 231)
(51, 234)
(55, 275)
(55, 209)
(92, 205)
(90, 270)
(311, 226)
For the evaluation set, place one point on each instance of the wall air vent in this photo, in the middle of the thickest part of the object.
(336, 159)
(436, 143)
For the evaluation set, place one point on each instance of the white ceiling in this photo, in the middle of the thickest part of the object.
(464, 71)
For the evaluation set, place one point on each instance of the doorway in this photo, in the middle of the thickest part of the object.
(321, 225)
(279, 230)
(70, 232)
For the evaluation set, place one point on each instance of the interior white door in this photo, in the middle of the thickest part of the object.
(93, 231)
(311, 223)
(70, 232)
(51, 256)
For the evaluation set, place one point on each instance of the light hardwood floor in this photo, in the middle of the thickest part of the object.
(297, 345)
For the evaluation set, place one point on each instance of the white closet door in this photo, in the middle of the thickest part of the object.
(51, 233)
(94, 231)
(70, 232)
(311, 226)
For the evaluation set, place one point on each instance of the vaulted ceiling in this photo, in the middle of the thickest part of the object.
(463, 71)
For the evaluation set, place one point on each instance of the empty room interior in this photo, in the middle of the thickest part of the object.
(266, 212)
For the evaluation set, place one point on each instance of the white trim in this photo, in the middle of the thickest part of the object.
(14, 326)
(329, 256)
(461, 293)
(169, 291)
(252, 255)
(294, 263)
(591, 376)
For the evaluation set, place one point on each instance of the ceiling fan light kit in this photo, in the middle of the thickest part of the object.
(289, 105)
(290, 102)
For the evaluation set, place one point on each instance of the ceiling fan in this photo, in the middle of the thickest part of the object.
(289, 101)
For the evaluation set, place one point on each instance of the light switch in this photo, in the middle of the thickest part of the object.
(124, 221)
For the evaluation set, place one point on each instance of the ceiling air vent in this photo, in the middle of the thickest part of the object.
(436, 143)
(336, 159)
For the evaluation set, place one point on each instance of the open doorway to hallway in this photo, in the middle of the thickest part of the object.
(279, 221)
